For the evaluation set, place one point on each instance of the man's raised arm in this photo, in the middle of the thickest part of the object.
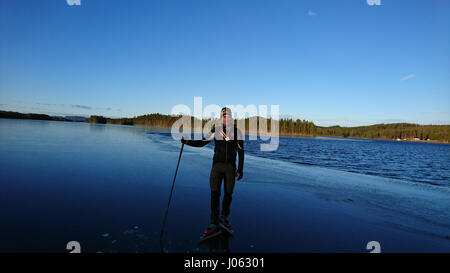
(201, 142)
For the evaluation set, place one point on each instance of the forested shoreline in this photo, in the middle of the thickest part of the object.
(287, 127)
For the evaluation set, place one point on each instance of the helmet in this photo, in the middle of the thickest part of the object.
(226, 111)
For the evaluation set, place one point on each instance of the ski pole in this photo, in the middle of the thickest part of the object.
(168, 203)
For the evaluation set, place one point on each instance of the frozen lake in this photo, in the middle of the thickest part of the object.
(106, 186)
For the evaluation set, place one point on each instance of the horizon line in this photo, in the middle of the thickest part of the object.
(53, 114)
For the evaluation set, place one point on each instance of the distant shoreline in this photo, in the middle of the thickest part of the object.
(399, 131)
(281, 135)
(363, 138)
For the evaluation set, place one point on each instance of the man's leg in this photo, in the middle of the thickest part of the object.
(215, 181)
(228, 189)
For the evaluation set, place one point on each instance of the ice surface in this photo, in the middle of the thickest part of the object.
(385, 203)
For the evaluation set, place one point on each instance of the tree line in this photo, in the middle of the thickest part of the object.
(287, 127)
(291, 127)
(17, 115)
(393, 131)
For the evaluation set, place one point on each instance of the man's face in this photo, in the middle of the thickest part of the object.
(226, 119)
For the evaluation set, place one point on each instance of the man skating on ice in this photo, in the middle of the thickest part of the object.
(228, 142)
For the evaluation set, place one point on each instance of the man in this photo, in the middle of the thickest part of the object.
(228, 142)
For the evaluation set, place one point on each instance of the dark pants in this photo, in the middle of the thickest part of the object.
(221, 171)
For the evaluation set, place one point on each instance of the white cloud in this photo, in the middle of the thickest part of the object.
(408, 77)
(311, 13)
(79, 106)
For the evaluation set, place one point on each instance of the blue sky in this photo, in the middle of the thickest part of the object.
(332, 62)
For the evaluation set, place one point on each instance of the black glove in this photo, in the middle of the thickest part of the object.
(239, 175)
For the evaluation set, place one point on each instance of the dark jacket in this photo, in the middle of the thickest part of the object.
(224, 150)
